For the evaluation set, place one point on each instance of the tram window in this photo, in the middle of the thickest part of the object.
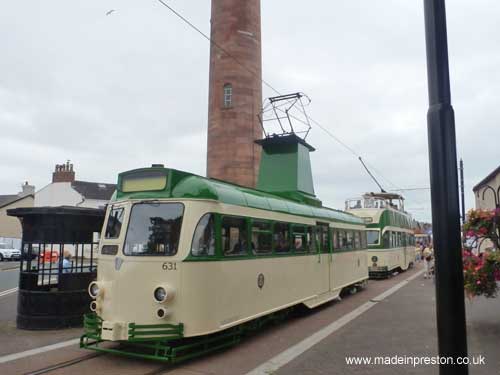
(343, 240)
(281, 238)
(399, 239)
(349, 240)
(204, 237)
(356, 203)
(363, 240)
(262, 237)
(340, 240)
(234, 236)
(357, 240)
(115, 221)
(335, 239)
(372, 237)
(322, 235)
(311, 243)
(386, 239)
(299, 239)
(302, 239)
(154, 229)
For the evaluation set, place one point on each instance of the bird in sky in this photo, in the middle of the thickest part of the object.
(110, 11)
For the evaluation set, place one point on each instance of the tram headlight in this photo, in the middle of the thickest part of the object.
(163, 293)
(94, 289)
(374, 258)
(160, 294)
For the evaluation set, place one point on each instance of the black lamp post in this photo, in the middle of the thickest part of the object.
(450, 308)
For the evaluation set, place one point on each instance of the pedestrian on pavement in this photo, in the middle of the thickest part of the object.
(428, 256)
(67, 264)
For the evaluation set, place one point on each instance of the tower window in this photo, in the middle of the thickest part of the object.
(228, 95)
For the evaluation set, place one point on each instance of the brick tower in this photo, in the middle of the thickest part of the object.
(235, 92)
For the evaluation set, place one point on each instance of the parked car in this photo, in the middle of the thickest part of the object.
(7, 252)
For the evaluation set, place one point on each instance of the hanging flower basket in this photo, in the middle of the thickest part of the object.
(482, 271)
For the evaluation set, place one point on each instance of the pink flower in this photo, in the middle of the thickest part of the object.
(478, 282)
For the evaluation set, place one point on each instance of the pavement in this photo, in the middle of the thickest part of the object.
(403, 324)
(390, 317)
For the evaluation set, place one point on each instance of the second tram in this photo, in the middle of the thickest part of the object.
(391, 240)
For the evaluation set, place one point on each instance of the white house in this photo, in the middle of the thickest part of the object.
(64, 190)
(10, 227)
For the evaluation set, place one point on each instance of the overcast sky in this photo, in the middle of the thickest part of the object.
(122, 91)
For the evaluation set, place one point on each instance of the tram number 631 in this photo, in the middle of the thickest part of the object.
(169, 266)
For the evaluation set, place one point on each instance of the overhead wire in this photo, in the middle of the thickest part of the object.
(267, 84)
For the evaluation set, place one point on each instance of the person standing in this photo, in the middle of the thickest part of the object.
(427, 254)
(67, 264)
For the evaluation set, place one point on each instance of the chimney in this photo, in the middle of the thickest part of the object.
(235, 92)
(27, 189)
(63, 173)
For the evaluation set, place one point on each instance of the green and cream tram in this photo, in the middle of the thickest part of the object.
(183, 257)
(390, 237)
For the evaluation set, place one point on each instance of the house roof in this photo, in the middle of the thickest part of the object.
(485, 180)
(94, 190)
(5, 200)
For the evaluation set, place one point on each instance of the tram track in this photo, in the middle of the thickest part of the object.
(64, 364)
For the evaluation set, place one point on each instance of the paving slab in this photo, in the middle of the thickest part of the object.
(403, 324)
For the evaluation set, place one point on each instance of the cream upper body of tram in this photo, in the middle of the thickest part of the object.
(199, 256)
(390, 237)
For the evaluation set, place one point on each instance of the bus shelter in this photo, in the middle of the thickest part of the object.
(59, 245)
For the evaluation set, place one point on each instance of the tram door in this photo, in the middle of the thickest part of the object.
(324, 254)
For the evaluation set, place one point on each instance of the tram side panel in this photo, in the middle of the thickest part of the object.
(235, 291)
(348, 268)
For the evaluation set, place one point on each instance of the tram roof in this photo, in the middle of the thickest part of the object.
(184, 185)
